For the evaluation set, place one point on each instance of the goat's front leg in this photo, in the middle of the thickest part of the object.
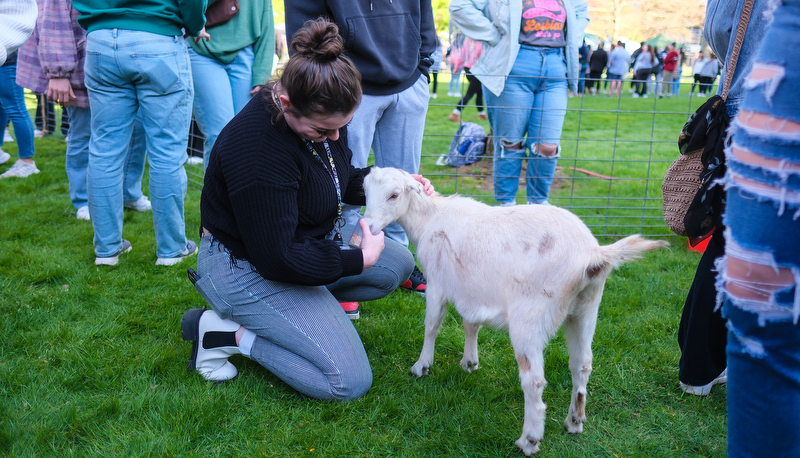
(435, 308)
(578, 332)
(470, 361)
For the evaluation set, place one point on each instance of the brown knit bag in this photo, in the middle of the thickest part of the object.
(684, 177)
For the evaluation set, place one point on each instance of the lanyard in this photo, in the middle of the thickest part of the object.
(338, 222)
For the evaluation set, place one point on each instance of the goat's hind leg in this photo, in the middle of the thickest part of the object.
(435, 309)
(529, 351)
(470, 360)
(579, 332)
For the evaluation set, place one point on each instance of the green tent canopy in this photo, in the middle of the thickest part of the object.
(660, 41)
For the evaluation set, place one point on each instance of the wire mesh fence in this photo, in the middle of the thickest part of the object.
(615, 150)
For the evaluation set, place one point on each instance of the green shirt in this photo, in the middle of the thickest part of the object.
(162, 17)
(253, 25)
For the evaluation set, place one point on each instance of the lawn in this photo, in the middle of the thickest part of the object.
(92, 362)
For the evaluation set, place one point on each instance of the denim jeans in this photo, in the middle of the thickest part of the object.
(392, 125)
(304, 336)
(77, 162)
(220, 91)
(12, 99)
(529, 111)
(128, 72)
(760, 272)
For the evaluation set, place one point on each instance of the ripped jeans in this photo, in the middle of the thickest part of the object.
(760, 272)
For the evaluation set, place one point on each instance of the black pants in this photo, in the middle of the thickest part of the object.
(696, 82)
(702, 335)
(45, 119)
(705, 83)
(643, 78)
(594, 80)
(474, 89)
(435, 79)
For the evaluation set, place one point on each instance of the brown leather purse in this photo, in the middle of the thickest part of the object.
(220, 12)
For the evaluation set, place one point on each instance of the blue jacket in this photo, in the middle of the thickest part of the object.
(482, 20)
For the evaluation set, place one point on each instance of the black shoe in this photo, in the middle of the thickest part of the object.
(416, 282)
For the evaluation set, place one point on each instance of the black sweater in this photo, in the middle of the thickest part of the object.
(270, 202)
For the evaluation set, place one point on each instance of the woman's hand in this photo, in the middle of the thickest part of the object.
(60, 91)
(203, 35)
(426, 183)
(371, 245)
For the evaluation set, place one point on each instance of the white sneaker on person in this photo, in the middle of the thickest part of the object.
(4, 157)
(141, 204)
(189, 250)
(704, 390)
(112, 260)
(213, 342)
(20, 169)
(635, 95)
(83, 213)
(7, 136)
(645, 96)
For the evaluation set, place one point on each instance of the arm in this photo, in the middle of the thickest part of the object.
(17, 20)
(263, 49)
(193, 13)
(58, 49)
(427, 35)
(471, 17)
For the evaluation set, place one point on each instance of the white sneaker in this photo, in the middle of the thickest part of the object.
(189, 250)
(7, 136)
(83, 213)
(112, 260)
(210, 356)
(141, 204)
(20, 169)
(645, 96)
(635, 95)
(704, 390)
(4, 157)
(194, 160)
(434, 95)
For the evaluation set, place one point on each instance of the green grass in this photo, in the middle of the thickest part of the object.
(92, 362)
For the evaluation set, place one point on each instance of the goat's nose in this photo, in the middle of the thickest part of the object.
(372, 227)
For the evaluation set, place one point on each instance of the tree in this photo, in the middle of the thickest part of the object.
(645, 19)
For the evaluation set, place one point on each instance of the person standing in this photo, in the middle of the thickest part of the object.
(642, 67)
(597, 63)
(670, 66)
(231, 66)
(51, 63)
(471, 51)
(530, 62)
(618, 64)
(139, 63)
(12, 100)
(391, 43)
(708, 73)
(17, 20)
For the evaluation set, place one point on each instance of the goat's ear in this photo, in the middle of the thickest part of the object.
(414, 186)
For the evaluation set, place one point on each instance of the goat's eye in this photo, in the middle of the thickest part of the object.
(393, 196)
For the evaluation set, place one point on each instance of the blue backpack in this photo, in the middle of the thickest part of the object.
(468, 145)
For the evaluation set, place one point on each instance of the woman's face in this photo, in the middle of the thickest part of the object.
(316, 127)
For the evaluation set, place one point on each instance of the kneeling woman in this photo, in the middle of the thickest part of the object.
(271, 263)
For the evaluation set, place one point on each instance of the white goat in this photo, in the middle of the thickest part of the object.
(527, 269)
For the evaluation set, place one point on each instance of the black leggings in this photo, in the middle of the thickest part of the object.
(643, 78)
(705, 83)
(474, 88)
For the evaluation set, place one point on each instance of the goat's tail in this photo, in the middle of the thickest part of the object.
(625, 250)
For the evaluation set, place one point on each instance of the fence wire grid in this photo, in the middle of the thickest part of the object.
(614, 153)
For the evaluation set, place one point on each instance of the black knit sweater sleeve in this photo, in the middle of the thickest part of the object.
(269, 201)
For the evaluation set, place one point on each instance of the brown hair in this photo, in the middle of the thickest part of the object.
(319, 78)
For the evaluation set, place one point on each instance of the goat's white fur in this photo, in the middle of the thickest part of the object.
(527, 269)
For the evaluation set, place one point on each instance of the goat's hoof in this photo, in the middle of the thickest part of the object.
(469, 366)
(418, 370)
(573, 424)
(528, 445)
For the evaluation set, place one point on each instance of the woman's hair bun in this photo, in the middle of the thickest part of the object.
(318, 41)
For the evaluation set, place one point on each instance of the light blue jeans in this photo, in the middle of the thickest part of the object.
(529, 111)
(759, 275)
(77, 162)
(220, 91)
(304, 336)
(128, 72)
(392, 125)
(12, 106)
